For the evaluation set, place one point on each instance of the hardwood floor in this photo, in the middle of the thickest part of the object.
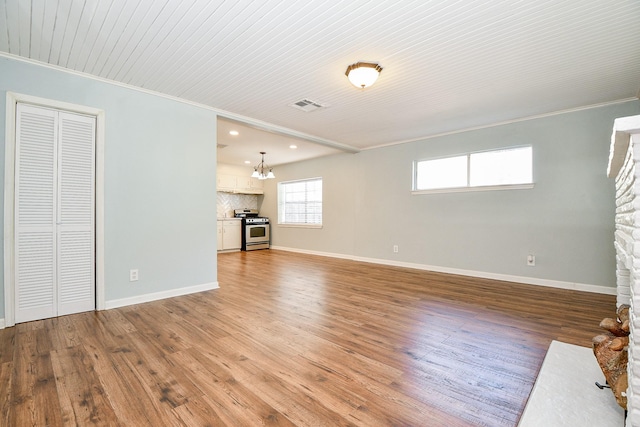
(297, 340)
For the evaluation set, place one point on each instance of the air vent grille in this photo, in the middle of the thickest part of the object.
(308, 105)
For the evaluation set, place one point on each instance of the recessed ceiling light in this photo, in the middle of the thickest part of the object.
(248, 162)
(234, 133)
(293, 146)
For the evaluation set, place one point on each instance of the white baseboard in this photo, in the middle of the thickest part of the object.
(2, 324)
(482, 274)
(139, 299)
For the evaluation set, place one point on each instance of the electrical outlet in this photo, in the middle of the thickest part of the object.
(531, 260)
(395, 249)
(133, 275)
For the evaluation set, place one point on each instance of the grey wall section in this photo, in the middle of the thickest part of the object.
(339, 187)
(160, 179)
(566, 220)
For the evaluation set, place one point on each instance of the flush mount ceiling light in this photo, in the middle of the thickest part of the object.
(363, 74)
(260, 171)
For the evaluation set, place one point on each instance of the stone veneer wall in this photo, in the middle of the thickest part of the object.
(624, 165)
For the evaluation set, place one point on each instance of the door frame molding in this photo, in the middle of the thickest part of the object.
(9, 195)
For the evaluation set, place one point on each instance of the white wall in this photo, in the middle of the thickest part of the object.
(566, 221)
(227, 169)
(160, 176)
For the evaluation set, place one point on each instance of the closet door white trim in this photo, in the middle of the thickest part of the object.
(54, 213)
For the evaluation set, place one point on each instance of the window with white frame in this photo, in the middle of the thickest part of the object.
(300, 202)
(508, 167)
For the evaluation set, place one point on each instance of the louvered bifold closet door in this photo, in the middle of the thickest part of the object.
(54, 213)
(35, 219)
(75, 237)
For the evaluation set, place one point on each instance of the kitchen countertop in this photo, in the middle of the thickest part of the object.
(229, 219)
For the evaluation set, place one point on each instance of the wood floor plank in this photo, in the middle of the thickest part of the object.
(6, 395)
(232, 401)
(34, 398)
(62, 331)
(298, 340)
(95, 330)
(297, 405)
(124, 390)
(198, 411)
(82, 397)
(7, 345)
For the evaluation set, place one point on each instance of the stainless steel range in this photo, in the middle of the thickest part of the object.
(255, 229)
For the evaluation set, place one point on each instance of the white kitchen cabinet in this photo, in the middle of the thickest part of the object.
(248, 185)
(220, 235)
(229, 234)
(243, 182)
(257, 185)
(239, 184)
(226, 183)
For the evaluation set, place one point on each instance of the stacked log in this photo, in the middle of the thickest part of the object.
(611, 353)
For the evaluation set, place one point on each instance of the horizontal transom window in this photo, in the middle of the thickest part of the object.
(496, 168)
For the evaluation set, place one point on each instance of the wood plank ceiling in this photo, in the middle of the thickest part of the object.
(447, 64)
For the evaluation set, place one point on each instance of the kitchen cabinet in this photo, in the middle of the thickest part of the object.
(243, 182)
(249, 185)
(220, 235)
(239, 184)
(257, 185)
(226, 183)
(229, 234)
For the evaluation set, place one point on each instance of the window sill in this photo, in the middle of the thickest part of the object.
(300, 225)
(474, 189)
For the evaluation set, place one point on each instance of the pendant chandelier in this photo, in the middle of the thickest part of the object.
(263, 170)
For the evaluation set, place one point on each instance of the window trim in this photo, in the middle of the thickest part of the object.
(300, 225)
(290, 225)
(468, 188)
(475, 189)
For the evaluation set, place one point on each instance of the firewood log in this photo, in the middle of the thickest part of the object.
(619, 343)
(613, 326)
(619, 389)
(614, 366)
(600, 339)
(625, 326)
(623, 313)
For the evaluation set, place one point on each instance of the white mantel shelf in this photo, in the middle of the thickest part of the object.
(623, 128)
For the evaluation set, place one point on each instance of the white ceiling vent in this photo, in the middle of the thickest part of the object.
(308, 105)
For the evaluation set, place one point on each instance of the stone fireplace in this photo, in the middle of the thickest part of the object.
(624, 166)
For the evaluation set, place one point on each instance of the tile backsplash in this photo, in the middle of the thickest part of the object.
(227, 202)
